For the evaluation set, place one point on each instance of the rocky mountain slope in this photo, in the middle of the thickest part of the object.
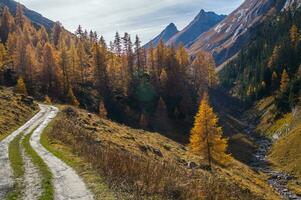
(35, 17)
(165, 35)
(235, 31)
(201, 23)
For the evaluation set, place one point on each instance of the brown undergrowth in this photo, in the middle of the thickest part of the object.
(140, 177)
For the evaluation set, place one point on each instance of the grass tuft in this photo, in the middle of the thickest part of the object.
(17, 165)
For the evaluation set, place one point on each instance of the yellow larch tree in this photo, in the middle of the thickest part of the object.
(71, 98)
(284, 81)
(294, 35)
(20, 87)
(206, 137)
(47, 100)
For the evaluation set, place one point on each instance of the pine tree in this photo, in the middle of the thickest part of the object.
(71, 99)
(56, 32)
(151, 59)
(74, 65)
(284, 81)
(5, 27)
(43, 36)
(206, 136)
(138, 53)
(64, 62)
(81, 61)
(50, 72)
(21, 87)
(161, 57)
(79, 32)
(30, 65)
(212, 76)
(20, 18)
(183, 59)
(117, 44)
(100, 65)
(274, 57)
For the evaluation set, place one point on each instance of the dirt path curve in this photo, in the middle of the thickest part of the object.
(67, 184)
(6, 174)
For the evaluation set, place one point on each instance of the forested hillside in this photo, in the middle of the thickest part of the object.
(129, 83)
(270, 65)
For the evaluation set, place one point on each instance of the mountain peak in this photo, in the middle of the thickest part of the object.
(171, 25)
(202, 11)
(201, 23)
(165, 35)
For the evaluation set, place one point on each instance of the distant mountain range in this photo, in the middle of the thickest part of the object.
(35, 17)
(227, 38)
(224, 36)
(201, 23)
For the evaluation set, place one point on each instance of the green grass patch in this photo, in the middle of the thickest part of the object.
(279, 124)
(17, 165)
(15, 157)
(47, 186)
(94, 180)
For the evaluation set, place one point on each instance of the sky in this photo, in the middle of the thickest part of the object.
(147, 18)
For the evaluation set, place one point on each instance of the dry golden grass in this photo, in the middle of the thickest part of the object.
(14, 111)
(150, 166)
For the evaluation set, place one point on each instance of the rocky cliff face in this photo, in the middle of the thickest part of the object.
(35, 17)
(201, 23)
(165, 35)
(230, 35)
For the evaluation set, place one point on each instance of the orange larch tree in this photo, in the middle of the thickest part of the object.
(207, 137)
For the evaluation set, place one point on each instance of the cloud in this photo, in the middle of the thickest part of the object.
(144, 17)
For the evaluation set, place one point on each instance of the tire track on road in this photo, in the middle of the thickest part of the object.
(6, 174)
(67, 184)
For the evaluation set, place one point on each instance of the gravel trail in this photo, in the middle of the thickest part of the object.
(67, 184)
(6, 174)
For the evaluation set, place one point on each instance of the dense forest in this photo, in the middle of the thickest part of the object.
(270, 65)
(122, 80)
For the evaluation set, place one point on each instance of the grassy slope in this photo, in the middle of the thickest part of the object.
(285, 153)
(13, 112)
(144, 144)
(94, 181)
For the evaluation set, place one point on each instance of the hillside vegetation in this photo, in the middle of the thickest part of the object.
(15, 110)
(149, 164)
(284, 154)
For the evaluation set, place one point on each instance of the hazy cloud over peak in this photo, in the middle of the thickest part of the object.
(144, 17)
